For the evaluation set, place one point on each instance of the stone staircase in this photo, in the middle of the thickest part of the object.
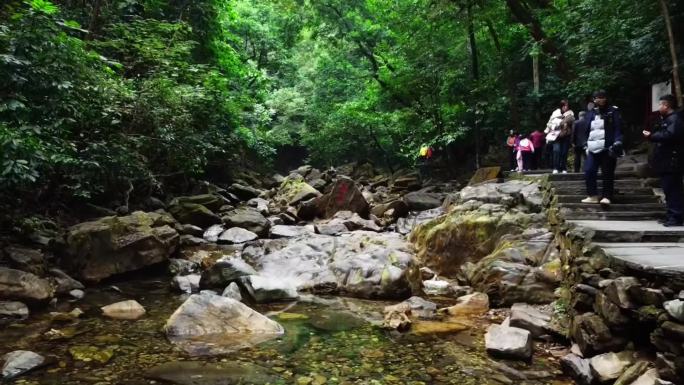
(627, 230)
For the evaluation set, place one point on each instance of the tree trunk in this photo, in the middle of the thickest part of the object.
(94, 16)
(524, 15)
(673, 52)
(476, 78)
(507, 74)
(535, 70)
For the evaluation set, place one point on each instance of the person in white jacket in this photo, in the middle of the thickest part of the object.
(558, 132)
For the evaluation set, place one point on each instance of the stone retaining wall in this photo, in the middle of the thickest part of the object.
(611, 307)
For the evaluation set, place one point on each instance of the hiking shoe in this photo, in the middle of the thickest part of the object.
(555, 171)
(565, 172)
(590, 200)
(605, 201)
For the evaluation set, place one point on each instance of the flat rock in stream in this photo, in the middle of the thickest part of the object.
(12, 311)
(125, 310)
(19, 362)
(202, 373)
(285, 231)
(208, 324)
(508, 342)
(236, 235)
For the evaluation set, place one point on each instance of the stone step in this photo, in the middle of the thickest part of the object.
(571, 176)
(625, 199)
(619, 184)
(582, 190)
(630, 231)
(615, 207)
(613, 215)
(662, 261)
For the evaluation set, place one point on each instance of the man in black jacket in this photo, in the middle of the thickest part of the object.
(668, 158)
(580, 132)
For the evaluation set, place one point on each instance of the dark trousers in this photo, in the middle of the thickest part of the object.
(537, 158)
(527, 160)
(560, 154)
(513, 162)
(548, 155)
(674, 195)
(607, 164)
(579, 154)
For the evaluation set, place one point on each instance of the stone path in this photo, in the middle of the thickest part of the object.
(626, 230)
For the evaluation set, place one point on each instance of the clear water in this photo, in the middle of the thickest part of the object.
(324, 344)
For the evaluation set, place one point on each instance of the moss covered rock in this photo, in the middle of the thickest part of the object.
(114, 245)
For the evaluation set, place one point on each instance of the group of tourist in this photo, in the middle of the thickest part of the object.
(597, 137)
(549, 148)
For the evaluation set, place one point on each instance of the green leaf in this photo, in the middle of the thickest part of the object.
(44, 6)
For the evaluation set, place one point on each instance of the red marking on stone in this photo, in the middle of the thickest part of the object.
(342, 193)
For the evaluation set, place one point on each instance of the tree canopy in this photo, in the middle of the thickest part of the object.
(97, 96)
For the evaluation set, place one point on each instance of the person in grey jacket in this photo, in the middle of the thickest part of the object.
(604, 146)
(580, 132)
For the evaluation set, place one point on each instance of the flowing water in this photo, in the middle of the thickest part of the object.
(327, 341)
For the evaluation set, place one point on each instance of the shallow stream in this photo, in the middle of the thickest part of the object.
(327, 341)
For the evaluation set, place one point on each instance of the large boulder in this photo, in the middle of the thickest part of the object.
(26, 259)
(469, 232)
(397, 208)
(361, 264)
(244, 192)
(211, 201)
(294, 190)
(270, 289)
(22, 286)
(593, 336)
(344, 196)
(225, 271)
(510, 194)
(578, 368)
(530, 318)
(247, 218)
(420, 201)
(609, 366)
(62, 282)
(115, 245)
(194, 214)
(208, 324)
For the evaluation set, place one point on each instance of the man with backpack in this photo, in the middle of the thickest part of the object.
(668, 158)
(604, 146)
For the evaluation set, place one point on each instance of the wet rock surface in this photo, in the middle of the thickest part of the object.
(355, 248)
(208, 324)
(19, 362)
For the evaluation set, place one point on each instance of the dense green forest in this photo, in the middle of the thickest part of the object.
(102, 97)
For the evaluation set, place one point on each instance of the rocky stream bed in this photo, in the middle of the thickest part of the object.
(316, 278)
